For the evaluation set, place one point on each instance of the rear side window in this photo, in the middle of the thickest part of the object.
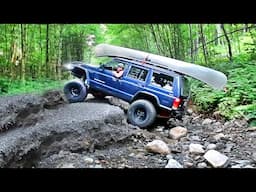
(138, 73)
(162, 80)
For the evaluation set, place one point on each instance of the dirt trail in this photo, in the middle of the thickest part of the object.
(46, 132)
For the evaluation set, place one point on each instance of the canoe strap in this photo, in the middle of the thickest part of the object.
(145, 60)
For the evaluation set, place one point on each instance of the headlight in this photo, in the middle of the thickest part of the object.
(69, 66)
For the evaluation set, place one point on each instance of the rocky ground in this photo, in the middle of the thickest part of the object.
(47, 132)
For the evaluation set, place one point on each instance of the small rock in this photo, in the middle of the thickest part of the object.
(160, 129)
(219, 136)
(178, 132)
(169, 156)
(216, 159)
(173, 164)
(140, 155)
(197, 117)
(211, 146)
(219, 130)
(248, 167)
(251, 129)
(190, 111)
(228, 148)
(252, 134)
(236, 166)
(196, 158)
(195, 138)
(158, 146)
(97, 161)
(220, 146)
(88, 160)
(67, 165)
(242, 163)
(202, 165)
(217, 124)
(226, 124)
(238, 124)
(196, 148)
(131, 154)
(98, 166)
(188, 164)
(207, 121)
(254, 156)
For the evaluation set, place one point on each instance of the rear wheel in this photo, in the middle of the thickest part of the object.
(141, 113)
(75, 91)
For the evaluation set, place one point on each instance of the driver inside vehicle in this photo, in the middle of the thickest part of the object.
(119, 71)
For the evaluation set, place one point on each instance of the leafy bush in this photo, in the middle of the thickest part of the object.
(240, 98)
(4, 85)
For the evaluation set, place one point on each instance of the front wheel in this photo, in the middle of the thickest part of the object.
(75, 91)
(141, 113)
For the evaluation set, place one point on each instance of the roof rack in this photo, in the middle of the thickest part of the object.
(143, 62)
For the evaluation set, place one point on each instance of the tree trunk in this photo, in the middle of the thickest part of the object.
(59, 54)
(218, 34)
(203, 43)
(23, 51)
(245, 28)
(146, 38)
(9, 72)
(47, 72)
(228, 42)
(171, 49)
(167, 42)
(40, 73)
(191, 43)
(174, 42)
(155, 38)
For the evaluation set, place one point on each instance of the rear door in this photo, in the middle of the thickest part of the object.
(163, 86)
(133, 81)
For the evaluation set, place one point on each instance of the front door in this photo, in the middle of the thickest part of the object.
(104, 76)
(134, 81)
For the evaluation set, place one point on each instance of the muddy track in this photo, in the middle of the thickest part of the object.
(47, 132)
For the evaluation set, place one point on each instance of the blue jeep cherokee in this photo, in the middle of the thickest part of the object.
(153, 92)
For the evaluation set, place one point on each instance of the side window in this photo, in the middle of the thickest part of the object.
(162, 80)
(138, 73)
(112, 65)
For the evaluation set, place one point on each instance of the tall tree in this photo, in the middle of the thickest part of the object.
(47, 52)
(23, 51)
(191, 43)
(228, 42)
(201, 32)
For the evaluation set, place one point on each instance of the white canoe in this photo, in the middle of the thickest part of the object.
(214, 78)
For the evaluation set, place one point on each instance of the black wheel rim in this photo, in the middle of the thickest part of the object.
(140, 114)
(75, 91)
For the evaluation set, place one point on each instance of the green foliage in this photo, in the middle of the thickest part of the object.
(238, 100)
(205, 98)
(18, 87)
(4, 85)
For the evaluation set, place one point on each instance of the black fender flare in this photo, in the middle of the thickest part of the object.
(77, 65)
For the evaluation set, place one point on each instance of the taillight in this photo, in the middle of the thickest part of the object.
(176, 103)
